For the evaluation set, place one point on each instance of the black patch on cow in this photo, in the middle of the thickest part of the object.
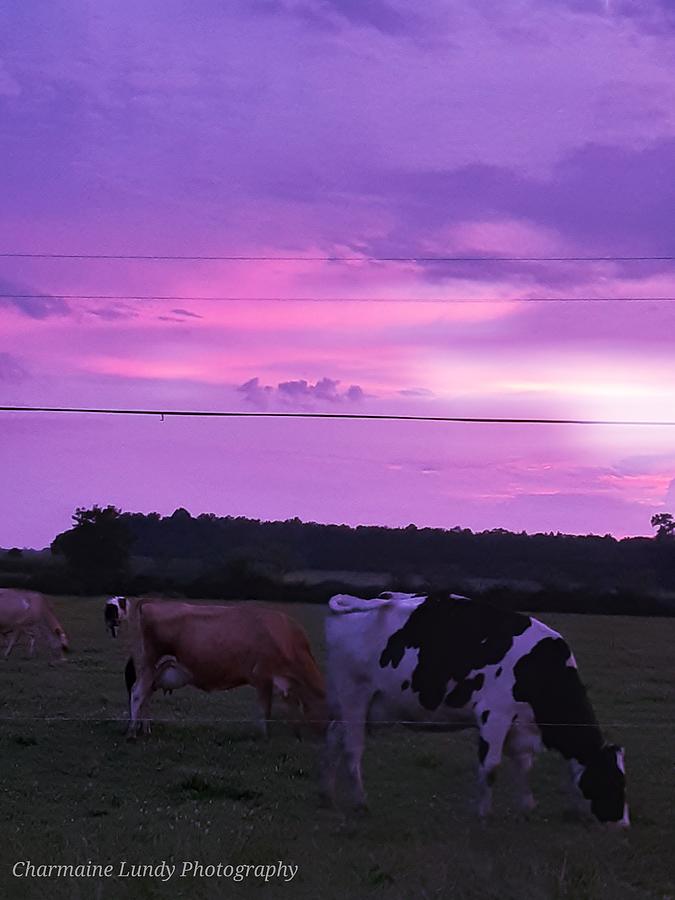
(498, 672)
(111, 614)
(460, 695)
(130, 674)
(483, 748)
(405, 685)
(123, 603)
(561, 707)
(453, 636)
(484, 716)
(604, 784)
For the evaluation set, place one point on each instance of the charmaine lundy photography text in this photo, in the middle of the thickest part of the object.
(337, 449)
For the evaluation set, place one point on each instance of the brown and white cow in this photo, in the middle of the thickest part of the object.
(217, 648)
(449, 662)
(28, 614)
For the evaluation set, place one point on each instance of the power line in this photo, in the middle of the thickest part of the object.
(443, 301)
(370, 259)
(366, 417)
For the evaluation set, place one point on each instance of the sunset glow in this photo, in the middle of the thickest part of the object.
(315, 130)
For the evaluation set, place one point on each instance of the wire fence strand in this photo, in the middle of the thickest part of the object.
(253, 720)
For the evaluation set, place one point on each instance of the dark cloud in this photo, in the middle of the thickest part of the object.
(187, 313)
(378, 14)
(11, 369)
(39, 304)
(179, 315)
(651, 16)
(331, 15)
(300, 392)
(112, 313)
(24, 300)
(605, 200)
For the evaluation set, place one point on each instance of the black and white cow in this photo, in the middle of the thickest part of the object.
(115, 612)
(449, 661)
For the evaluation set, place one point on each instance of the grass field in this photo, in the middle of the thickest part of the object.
(206, 787)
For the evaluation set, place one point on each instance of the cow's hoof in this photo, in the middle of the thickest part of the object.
(361, 809)
(326, 801)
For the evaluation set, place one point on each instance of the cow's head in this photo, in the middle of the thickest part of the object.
(602, 781)
(62, 638)
(115, 612)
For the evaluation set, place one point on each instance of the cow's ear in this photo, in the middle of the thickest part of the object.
(123, 603)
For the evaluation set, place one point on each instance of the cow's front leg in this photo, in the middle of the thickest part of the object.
(490, 748)
(521, 748)
(265, 699)
(139, 706)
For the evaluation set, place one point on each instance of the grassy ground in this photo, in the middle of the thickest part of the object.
(206, 788)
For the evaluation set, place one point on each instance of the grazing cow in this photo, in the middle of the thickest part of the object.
(216, 648)
(26, 614)
(451, 662)
(114, 614)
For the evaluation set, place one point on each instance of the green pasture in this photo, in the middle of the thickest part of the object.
(205, 787)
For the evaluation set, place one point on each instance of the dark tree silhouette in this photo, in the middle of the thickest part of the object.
(665, 525)
(97, 546)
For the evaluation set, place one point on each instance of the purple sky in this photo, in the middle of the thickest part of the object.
(332, 128)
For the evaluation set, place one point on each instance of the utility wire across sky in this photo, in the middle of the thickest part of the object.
(160, 257)
(365, 417)
(415, 299)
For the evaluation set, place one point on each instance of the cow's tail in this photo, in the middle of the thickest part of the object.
(135, 620)
(345, 603)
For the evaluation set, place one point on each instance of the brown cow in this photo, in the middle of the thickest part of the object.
(26, 614)
(216, 648)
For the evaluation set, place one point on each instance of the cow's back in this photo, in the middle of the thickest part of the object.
(225, 646)
(19, 607)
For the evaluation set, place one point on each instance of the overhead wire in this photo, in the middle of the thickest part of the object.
(179, 257)
(186, 298)
(382, 417)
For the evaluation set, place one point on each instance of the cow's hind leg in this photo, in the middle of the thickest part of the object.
(13, 637)
(521, 748)
(330, 761)
(354, 737)
(490, 747)
(31, 644)
(139, 704)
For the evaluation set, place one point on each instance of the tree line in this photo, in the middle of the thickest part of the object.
(107, 550)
